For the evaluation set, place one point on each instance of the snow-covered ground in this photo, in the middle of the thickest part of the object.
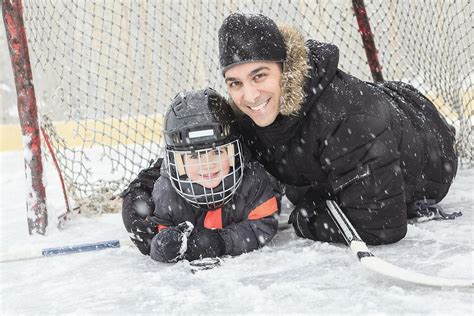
(291, 275)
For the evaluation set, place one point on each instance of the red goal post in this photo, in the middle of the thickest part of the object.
(104, 71)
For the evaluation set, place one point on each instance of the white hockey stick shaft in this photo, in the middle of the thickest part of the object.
(371, 262)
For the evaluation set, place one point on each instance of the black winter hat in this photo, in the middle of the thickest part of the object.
(249, 37)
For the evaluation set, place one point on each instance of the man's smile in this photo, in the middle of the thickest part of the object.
(260, 106)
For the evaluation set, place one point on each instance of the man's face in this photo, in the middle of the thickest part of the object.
(255, 87)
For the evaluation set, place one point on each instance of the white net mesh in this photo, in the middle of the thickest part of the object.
(104, 71)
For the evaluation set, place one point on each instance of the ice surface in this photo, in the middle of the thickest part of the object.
(292, 275)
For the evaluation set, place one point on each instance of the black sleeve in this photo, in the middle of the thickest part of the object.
(145, 179)
(258, 205)
(170, 208)
(362, 161)
(248, 235)
(139, 228)
(138, 205)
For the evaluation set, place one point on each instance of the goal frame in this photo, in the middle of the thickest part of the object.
(34, 134)
(37, 214)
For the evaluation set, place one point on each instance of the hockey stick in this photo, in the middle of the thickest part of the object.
(32, 253)
(371, 262)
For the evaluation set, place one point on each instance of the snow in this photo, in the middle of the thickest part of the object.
(291, 275)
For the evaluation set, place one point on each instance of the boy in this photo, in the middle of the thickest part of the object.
(209, 200)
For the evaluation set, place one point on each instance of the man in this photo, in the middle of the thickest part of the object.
(381, 151)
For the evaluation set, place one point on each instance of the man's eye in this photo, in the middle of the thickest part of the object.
(259, 77)
(233, 84)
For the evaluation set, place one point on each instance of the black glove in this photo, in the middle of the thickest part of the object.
(302, 218)
(312, 220)
(205, 243)
(169, 244)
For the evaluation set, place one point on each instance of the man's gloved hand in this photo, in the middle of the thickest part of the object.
(138, 206)
(312, 220)
(302, 219)
(205, 243)
(170, 244)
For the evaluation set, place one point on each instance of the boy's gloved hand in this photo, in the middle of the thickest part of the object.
(205, 243)
(170, 243)
(142, 229)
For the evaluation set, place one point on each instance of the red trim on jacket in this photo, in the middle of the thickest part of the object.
(213, 219)
(159, 227)
(265, 209)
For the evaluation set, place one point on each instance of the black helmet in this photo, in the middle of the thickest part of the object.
(203, 151)
(199, 119)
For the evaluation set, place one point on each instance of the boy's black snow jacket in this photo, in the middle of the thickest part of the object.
(247, 222)
(374, 148)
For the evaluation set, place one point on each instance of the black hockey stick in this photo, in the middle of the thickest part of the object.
(371, 262)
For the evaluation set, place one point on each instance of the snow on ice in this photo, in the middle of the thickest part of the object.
(291, 275)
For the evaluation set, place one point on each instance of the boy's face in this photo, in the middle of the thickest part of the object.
(207, 167)
(255, 87)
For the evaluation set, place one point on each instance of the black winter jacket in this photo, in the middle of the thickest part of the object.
(247, 222)
(374, 148)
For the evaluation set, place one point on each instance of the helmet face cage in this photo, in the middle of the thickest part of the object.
(207, 178)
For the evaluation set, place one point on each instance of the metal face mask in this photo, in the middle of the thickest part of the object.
(207, 178)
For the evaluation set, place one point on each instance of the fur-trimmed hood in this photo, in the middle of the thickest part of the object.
(308, 70)
(295, 71)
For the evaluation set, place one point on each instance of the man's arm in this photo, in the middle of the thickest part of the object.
(138, 205)
(362, 161)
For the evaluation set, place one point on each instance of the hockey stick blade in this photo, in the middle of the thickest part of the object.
(34, 253)
(373, 263)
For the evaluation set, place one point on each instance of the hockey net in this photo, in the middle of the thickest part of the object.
(104, 71)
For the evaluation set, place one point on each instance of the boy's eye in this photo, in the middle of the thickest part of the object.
(193, 156)
(219, 151)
